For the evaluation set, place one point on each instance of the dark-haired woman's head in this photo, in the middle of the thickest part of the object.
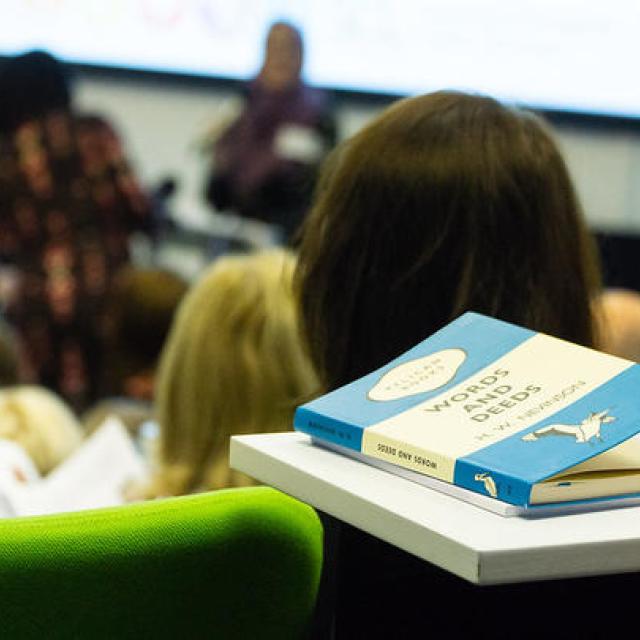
(445, 203)
(31, 85)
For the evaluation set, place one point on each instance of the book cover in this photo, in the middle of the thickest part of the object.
(497, 409)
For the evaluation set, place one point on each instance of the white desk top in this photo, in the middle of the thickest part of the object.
(470, 542)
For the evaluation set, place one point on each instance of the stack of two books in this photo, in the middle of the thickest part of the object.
(512, 420)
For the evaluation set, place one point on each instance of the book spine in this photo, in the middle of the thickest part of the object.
(400, 453)
(326, 428)
(490, 482)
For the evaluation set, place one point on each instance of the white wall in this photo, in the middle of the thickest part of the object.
(163, 124)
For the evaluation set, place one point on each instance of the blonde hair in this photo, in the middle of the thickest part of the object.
(233, 363)
(41, 423)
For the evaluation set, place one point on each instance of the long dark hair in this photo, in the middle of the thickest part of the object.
(445, 203)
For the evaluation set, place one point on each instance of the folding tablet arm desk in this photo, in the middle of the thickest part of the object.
(474, 544)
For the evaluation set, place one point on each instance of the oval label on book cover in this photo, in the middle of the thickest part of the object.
(418, 376)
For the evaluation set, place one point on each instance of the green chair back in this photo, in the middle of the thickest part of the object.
(236, 563)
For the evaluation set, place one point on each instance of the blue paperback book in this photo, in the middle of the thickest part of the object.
(502, 411)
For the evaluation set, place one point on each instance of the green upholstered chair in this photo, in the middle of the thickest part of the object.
(236, 563)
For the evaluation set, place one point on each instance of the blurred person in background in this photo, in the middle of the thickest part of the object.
(68, 204)
(233, 364)
(41, 423)
(265, 163)
(140, 311)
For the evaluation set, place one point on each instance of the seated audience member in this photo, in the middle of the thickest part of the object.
(265, 162)
(41, 423)
(445, 203)
(139, 312)
(620, 331)
(68, 203)
(233, 364)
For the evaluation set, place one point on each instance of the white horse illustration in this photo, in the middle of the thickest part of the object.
(588, 429)
(489, 483)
